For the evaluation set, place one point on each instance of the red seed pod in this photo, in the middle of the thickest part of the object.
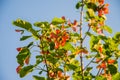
(56, 44)
(51, 74)
(17, 30)
(101, 2)
(58, 31)
(110, 61)
(18, 68)
(100, 12)
(75, 22)
(102, 65)
(100, 49)
(53, 35)
(63, 17)
(69, 23)
(106, 10)
(74, 28)
(63, 43)
(27, 60)
(19, 49)
(60, 74)
(98, 60)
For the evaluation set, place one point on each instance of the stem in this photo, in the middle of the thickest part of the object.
(39, 68)
(45, 56)
(66, 59)
(101, 71)
(86, 34)
(98, 71)
(89, 63)
(46, 67)
(81, 40)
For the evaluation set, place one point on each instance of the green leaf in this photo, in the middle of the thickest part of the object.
(92, 6)
(77, 76)
(39, 59)
(71, 66)
(57, 21)
(27, 26)
(59, 69)
(100, 78)
(112, 69)
(25, 70)
(24, 38)
(107, 28)
(34, 34)
(76, 34)
(91, 13)
(117, 36)
(52, 59)
(102, 37)
(93, 40)
(116, 76)
(52, 45)
(23, 54)
(89, 69)
(89, 34)
(60, 52)
(41, 24)
(69, 47)
(30, 44)
(78, 5)
(22, 24)
(38, 78)
(40, 72)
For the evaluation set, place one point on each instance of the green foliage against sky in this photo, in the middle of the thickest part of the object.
(61, 48)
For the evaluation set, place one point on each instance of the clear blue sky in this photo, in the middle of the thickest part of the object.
(36, 10)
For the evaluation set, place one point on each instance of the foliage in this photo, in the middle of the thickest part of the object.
(61, 48)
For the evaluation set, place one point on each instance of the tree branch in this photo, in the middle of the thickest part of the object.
(89, 62)
(86, 34)
(81, 40)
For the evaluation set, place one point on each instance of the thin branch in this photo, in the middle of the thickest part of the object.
(45, 57)
(86, 34)
(98, 71)
(39, 68)
(81, 40)
(101, 71)
(89, 62)
(46, 66)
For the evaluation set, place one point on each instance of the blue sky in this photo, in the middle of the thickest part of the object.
(32, 11)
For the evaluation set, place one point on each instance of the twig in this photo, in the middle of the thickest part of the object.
(89, 62)
(98, 71)
(81, 40)
(45, 57)
(39, 68)
(86, 34)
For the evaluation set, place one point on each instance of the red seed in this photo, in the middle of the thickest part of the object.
(101, 2)
(100, 49)
(69, 23)
(27, 60)
(60, 74)
(63, 43)
(102, 65)
(58, 31)
(56, 45)
(111, 61)
(106, 10)
(75, 22)
(18, 68)
(18, 30)
(100, 12)
(19, 49)
(63, 17)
